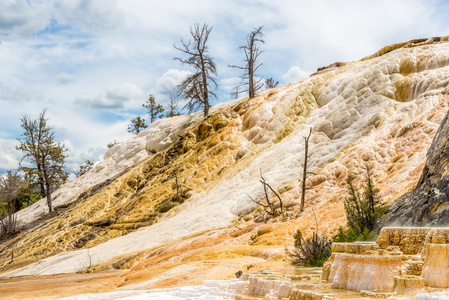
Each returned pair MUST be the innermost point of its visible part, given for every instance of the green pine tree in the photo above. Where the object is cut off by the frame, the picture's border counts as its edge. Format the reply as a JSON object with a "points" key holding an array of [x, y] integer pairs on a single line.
{"points": [[155, 110]]}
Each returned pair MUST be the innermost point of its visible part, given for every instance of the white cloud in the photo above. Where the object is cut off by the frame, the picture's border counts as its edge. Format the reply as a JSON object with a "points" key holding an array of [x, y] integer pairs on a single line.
{"points": [[293, 74], [118, 49], [93, 15], [316, 33], [10, 157], [23, 93], [76, 157], [230, 83], [122, 96], [64, 78], [19, 18], [167, 85]]}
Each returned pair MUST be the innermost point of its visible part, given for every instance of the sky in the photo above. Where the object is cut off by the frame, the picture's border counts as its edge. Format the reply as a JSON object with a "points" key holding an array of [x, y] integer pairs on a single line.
{"points": [[93, 63]]}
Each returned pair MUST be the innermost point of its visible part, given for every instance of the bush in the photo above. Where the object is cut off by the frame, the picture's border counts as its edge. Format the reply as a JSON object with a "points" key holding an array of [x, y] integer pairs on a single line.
{"points": [[351, 235], [362, 212], [9, 225], [312, 252]]}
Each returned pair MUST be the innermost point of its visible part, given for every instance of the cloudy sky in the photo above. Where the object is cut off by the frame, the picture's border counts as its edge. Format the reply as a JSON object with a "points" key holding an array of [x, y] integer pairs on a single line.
{"points": [[92, 63]]}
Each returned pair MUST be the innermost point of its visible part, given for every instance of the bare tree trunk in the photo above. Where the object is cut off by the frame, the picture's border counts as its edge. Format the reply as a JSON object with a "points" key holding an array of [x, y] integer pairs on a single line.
{"points": [[304, 172], [48, 190], [251, 90], [205, 89], [49, 202], [206, 109], [41, 181], [196, 86], [252, 52]]}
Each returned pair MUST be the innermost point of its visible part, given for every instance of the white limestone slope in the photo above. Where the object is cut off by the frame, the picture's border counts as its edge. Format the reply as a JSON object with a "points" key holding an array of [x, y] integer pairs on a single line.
{"points": [[119, 158], [356, 103]]}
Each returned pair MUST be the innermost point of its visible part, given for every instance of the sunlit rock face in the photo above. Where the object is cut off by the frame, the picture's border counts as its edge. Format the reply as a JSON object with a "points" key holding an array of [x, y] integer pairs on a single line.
{"points": [[428, 203], [364, 272], [380, 112], [403, 260], [432, 296], [412, 240], [116, 160], [431, 244], [404, 285], [436, 265], [360, 267]]}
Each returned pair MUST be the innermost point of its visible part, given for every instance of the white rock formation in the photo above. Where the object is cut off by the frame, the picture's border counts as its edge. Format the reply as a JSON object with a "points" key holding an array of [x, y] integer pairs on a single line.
{"points": [[432, 296], [360, 103], [120, 157], [436, 266], [364, 272]]}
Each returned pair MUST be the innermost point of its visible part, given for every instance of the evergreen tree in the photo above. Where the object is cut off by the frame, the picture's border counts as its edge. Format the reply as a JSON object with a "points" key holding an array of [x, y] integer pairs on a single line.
{"points": [[137, 125], [362, 211], [84, 168], [155, 110], [112, 144], [45, 156]]}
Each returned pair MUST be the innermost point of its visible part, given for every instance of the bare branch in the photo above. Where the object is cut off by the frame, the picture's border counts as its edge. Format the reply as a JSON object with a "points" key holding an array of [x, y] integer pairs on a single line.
{"points": [[304, 174], [252, 52], [196, 87], [269, 208]]}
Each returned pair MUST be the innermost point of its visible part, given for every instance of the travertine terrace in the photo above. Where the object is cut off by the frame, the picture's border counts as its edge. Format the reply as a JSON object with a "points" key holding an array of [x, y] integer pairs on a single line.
{"points": [[382, 111], [403, 263], [404, 260]]}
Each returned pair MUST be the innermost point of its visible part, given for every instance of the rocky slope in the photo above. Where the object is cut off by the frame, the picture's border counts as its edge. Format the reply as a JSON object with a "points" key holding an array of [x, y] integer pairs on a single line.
{"points": [[428, 203], [382, 111]]}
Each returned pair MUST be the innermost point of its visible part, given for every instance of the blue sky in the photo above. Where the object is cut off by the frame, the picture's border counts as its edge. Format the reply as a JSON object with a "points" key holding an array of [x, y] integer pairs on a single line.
{"points": [[92, 63]]}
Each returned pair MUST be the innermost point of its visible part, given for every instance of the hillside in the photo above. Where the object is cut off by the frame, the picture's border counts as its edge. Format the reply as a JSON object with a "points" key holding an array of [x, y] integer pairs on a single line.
{"points": [[382, 111]]}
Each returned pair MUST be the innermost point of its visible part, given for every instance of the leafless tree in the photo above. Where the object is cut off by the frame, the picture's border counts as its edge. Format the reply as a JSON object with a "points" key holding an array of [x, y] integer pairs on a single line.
{"points": [[252, 52], [235, 94], [196, 88], [305, 172], [271, 83], [172, 108], [178, 186], [270, 207], [10, 186]]}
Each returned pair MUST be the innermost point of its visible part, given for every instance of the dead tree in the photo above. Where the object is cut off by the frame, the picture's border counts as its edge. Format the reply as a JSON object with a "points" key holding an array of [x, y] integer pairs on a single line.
{"points": [[252, 52], [235, 94], [178, 186], [10, 186], [196, 87], [172, 108], [270, 207], [270, 83], [305, 172]]}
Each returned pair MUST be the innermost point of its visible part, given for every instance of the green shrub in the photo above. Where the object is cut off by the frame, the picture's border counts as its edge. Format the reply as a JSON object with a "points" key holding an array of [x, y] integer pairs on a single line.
{"points": [[312, 252], [362, 212], [351, 235]]}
